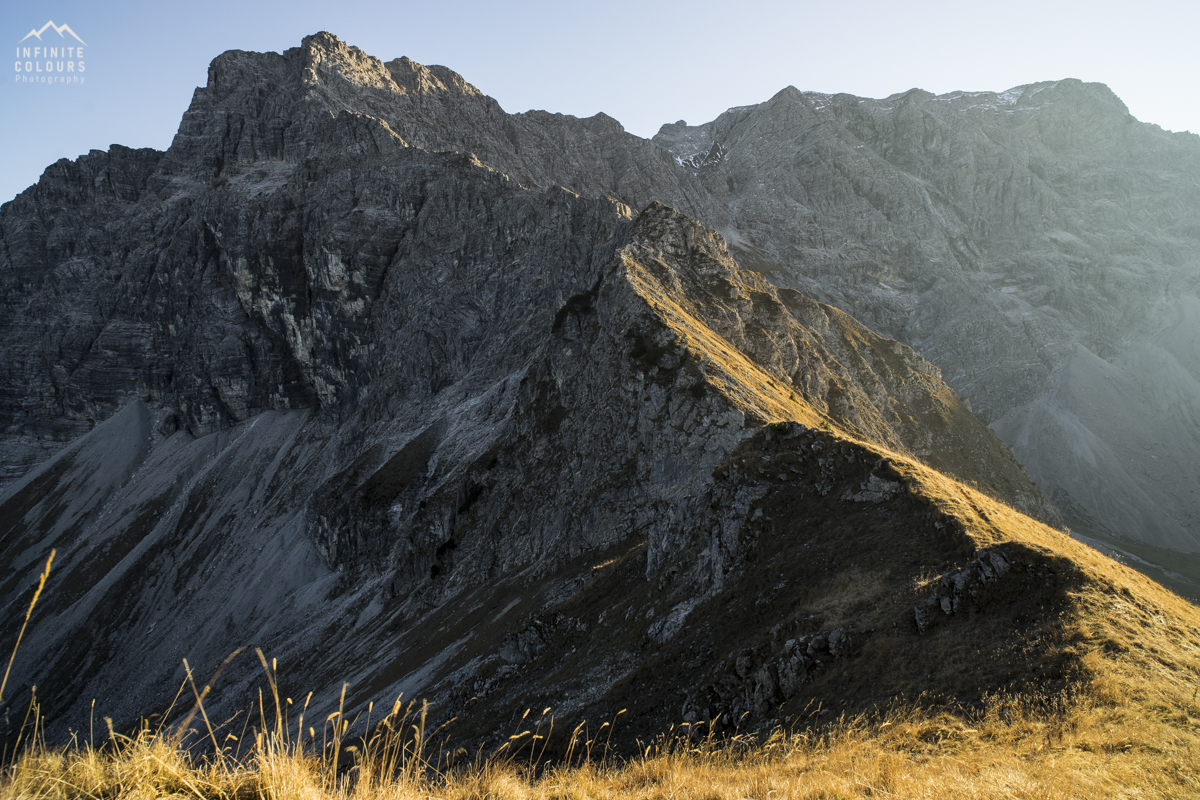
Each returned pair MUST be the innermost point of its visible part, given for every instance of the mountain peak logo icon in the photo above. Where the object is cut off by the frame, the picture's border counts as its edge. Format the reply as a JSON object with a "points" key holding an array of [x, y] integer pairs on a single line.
{"points": [[57, 29]]}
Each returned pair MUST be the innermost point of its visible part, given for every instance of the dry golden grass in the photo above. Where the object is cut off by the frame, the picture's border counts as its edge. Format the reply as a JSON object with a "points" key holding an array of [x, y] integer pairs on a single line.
{"points": [[1064, 748], [1130, 731], [746, 385]]}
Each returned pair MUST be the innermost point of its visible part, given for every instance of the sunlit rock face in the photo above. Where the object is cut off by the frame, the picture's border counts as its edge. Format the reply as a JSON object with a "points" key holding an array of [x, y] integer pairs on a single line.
{"points": [[426, 397]]}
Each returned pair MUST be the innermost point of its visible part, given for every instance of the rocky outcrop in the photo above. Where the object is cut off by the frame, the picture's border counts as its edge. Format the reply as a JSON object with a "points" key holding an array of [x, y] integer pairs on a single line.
{"points": [[952, 590]]}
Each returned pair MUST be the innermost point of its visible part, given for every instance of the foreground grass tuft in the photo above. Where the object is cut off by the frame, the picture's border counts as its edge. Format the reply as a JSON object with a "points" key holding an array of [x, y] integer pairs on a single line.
{"points": [[1048, 747]]}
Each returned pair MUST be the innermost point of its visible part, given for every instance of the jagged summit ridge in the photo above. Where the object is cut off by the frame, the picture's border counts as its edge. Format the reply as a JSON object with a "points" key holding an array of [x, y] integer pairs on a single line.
{"points": [[326, 56]]}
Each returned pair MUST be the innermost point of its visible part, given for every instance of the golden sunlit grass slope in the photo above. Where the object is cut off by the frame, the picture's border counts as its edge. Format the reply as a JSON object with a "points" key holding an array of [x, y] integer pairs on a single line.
{"points": [[1138, 642], [1069, 675], [1084, 747], [780, 356]]}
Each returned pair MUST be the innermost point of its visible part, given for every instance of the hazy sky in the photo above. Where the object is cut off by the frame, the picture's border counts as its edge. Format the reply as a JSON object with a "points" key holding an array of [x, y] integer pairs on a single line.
{"points": [[643, 62]]}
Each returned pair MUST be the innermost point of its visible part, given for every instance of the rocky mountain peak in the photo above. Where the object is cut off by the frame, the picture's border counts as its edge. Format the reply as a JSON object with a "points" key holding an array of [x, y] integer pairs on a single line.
{"points": [[237, 70], [668, 130], [787, 93], [670, 230], [326, 57], [1082, 92], [420, 79]]}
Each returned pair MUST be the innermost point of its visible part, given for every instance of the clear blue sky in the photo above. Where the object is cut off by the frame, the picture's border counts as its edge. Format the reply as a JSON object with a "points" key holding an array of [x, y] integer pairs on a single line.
{"points": [[643, 62]]}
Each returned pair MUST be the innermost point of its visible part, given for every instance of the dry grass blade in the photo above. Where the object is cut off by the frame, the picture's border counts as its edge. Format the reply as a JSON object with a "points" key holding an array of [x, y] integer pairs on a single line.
{"points": [[29, 613], [200, 705]]}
